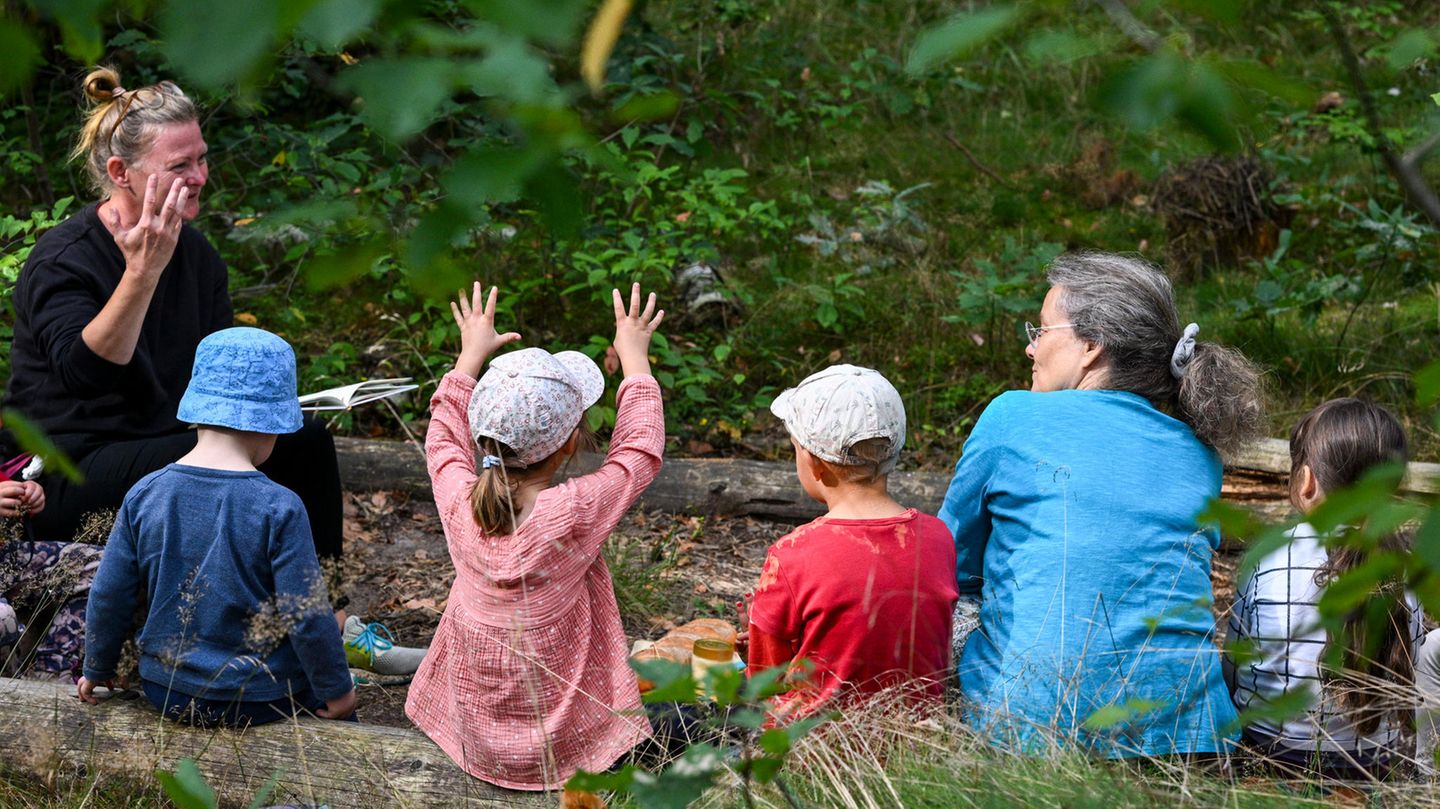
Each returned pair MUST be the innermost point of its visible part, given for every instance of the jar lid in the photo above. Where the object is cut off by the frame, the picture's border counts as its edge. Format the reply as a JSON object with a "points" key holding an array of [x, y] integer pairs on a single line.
{"points": [[712, 649]]}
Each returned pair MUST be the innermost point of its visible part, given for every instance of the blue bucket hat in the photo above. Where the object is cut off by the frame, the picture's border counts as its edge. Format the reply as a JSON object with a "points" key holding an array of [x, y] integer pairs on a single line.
{"points": [[243, 379]]}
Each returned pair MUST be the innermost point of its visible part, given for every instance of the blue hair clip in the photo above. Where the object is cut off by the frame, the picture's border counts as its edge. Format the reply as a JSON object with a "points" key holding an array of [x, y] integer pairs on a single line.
{"points": [[489, 461]]}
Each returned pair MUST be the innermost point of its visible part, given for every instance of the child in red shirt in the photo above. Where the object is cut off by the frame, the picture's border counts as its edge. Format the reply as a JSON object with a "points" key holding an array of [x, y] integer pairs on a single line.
{"points": [[865, 593]]}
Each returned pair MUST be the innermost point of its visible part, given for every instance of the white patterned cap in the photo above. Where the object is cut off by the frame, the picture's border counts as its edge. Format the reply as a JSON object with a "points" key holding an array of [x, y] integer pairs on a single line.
{"points": [[833, 410], [531, 401]]}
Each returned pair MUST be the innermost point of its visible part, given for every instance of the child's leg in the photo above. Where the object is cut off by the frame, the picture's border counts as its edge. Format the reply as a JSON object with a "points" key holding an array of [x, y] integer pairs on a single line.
{"points": [[1427, 716], [202, 712]]}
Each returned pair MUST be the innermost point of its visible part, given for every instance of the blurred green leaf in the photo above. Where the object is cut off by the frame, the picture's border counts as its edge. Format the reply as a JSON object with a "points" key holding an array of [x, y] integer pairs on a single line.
{"points": [[33, 440], [1210, 107], [765, 684], [1427, 383], [186, 787], [266, 789], [682, 783], [19, 56], [332, 23], [1109, 716], [510, 70], [344, 265], [1409, 46], [1277, 709], [1146, 93], [491, 175], [1353, 588], [556, 193], [1252, 74], [958, 36], [1353, 504], [554, 22], [79, 22], [213, 42], [646, 108], [615, 781], [673, 681], [1052, 46], [402, 95]]}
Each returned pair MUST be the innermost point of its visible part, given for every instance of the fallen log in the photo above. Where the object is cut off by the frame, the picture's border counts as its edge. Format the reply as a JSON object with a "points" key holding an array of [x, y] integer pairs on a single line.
{"points": [[46, 730], [745, 488]]}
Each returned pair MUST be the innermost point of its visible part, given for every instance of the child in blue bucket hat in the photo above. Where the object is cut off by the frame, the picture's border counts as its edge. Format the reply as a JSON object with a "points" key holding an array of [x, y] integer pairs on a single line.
{"points": [[238, 629]]}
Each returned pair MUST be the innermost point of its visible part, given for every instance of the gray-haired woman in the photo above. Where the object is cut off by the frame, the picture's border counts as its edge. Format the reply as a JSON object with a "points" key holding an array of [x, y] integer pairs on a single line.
{"points": [[1073, 509]]}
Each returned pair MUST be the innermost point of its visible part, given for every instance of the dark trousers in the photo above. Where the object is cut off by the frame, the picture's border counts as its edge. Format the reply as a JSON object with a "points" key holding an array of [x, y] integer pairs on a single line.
{"points": [[231, 713], [303, 462]]}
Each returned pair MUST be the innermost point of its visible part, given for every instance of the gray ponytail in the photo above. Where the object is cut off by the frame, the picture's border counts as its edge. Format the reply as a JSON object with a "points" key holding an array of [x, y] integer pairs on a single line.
{"points": [[1127, 306]]}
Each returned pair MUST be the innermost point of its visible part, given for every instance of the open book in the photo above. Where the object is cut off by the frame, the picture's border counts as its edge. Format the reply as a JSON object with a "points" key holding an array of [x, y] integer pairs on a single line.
{"points": [[347, 396]]}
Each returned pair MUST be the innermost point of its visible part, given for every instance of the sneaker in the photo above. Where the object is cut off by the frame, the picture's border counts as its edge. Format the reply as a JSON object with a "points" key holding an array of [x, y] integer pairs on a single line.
{"points": [[372, 647]]}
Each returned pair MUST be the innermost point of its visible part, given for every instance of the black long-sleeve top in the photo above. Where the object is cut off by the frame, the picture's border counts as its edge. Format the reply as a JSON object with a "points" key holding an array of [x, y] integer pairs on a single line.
{"points": [[79, 398]]}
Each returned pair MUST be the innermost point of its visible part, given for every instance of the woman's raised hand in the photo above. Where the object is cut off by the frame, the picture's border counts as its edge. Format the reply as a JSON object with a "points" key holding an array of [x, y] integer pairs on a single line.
{"points": [[149, 244], [633, 330], [478, 338]]}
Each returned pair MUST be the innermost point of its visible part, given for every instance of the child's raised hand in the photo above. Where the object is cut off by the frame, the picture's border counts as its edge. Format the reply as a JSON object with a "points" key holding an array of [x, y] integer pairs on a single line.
{"points": [[633, 330], [478, 338]]}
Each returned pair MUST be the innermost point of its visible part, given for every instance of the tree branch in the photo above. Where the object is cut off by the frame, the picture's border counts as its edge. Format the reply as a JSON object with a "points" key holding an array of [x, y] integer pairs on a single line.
{"points": [[1130, 25], [1419, 192]]}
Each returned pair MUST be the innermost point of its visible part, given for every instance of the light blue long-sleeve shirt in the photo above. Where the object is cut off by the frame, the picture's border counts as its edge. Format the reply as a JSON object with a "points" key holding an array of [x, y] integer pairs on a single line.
{"points": [[236, 609], [1074, 521]]}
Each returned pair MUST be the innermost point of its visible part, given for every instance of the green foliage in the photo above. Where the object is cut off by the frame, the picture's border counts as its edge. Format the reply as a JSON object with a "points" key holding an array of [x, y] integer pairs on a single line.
{"points": [[186, 787], [30, 438], [733, 703]]}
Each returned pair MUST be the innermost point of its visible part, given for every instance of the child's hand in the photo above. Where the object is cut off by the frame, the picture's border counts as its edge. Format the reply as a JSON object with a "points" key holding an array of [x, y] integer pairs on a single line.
{"points": [[34, 498], [340, 707], [21, 499], [86, 690], [478, 338], [633, 329]]}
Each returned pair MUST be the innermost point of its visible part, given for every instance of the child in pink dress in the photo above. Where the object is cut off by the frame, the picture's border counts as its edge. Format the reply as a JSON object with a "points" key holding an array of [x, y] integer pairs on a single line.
{"points": [[527, 679]]}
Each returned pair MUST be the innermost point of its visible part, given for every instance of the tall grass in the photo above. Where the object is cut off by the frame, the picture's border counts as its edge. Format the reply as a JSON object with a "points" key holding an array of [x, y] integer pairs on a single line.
{"points": [[889, 754]]}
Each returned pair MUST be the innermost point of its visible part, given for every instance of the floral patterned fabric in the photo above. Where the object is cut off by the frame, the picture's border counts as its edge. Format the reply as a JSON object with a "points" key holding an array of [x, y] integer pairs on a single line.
{"points": [[45, 581], [531, 400]]}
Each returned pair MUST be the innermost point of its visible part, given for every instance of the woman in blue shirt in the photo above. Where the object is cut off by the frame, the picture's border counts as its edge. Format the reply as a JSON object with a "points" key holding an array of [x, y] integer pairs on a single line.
{"points": [[1073, 509]]}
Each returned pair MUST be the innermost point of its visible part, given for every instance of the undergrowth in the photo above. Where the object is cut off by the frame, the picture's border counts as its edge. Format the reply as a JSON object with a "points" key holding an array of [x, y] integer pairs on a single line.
{"points": [[853, 211]]}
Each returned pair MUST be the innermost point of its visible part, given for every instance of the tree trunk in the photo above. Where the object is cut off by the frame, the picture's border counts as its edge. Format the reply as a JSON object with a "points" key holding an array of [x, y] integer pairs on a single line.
{"points": [[1254, 479], [44, 729]]}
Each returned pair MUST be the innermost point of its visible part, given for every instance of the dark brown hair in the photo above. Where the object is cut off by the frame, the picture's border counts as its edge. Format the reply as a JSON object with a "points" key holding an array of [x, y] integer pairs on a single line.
{"points": [[1340, 441]]}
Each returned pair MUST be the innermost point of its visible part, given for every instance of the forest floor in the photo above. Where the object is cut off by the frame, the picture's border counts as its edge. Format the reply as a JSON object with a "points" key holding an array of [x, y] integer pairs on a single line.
{"points": [[667, 569]]}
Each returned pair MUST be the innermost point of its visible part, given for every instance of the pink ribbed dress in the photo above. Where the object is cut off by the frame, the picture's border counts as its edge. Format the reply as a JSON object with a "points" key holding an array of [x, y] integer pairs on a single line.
{"points": [[527, 679]]}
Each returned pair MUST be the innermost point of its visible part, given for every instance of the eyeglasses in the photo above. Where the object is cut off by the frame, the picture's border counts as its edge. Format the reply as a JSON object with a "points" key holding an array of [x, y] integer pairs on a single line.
{"points": [[1033, 332]]}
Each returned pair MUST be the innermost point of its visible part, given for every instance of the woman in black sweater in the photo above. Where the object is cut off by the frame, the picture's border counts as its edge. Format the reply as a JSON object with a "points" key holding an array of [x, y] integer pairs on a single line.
{"points": [[110, 307]]}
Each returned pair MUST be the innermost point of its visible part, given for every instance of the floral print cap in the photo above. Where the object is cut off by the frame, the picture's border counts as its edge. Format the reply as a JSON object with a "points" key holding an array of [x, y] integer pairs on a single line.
{"points": [[531, 401], [832, 410]]}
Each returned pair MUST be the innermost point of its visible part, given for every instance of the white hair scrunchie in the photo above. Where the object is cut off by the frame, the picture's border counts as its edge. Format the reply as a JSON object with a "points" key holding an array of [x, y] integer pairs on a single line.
{"points": [[491, 460], [1184, 351]]}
